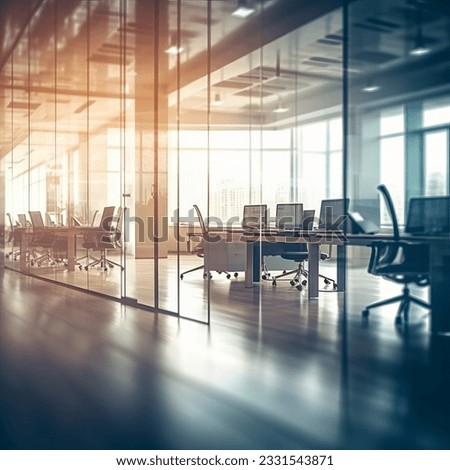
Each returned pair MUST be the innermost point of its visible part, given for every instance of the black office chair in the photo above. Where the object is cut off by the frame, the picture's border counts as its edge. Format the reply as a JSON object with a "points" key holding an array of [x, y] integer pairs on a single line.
{"points": [[400, 262], [199, 249], [103, 238], [299, 254], [43, 240]]}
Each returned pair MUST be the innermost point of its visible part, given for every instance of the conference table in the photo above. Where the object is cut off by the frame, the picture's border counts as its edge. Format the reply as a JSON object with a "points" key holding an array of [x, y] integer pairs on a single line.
{"points": [[25, 237], [439, 272], [274, 242]]}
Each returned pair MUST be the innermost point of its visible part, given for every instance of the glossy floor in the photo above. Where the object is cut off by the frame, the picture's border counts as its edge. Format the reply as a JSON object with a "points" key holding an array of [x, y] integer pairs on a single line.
{"points": [[273, 370]]}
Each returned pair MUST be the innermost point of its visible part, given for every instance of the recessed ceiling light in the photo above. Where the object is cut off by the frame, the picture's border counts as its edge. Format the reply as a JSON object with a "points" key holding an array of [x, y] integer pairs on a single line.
{"points": [[419, 50], [370, 88], [174, 50], [281, 109], [242, 11]]}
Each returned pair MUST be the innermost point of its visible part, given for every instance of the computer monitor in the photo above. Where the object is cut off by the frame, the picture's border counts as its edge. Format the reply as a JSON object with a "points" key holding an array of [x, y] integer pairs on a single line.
{"points": [[50, 220], [289, 216], [254, 216], [36, 219], [22, 220], [308, 219], [333, 213], [428, 215]]}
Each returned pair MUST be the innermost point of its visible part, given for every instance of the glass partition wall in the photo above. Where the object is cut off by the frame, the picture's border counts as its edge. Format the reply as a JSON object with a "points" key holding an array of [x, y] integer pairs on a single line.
{"points": [[398, 109], [140, 110]]}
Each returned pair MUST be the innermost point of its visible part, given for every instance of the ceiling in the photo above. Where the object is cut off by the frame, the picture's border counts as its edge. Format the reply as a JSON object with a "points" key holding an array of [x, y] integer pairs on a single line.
{"points": [[288, 54]]}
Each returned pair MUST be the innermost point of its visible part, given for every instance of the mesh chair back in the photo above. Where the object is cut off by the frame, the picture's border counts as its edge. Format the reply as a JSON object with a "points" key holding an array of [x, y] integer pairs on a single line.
{"points": [[36, 219]]}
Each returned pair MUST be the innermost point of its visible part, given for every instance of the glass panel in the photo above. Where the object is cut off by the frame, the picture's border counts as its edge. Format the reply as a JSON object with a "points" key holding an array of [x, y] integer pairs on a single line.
{"points": [[392, 121], [193, 155], [392, 164], [436, 112], [436, 163]]}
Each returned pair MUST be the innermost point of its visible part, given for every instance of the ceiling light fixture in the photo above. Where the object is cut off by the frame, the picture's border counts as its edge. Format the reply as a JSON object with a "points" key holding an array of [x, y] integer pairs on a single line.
{"points": [[370, 88], [243, 10], [174, 48], [280, 108], [419, 48]]}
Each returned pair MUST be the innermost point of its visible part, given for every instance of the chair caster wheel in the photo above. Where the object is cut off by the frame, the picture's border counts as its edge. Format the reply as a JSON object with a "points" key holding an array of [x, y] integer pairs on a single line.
{"points": [[181, 276], [274, 283], [334, 286], [327, 281], [292, 283], [304, 283], [236, 274], [228, 276], [86, 268], [299, 287], [284, 271], [365, 313], [263, 277], [205, 276], [398, 320]]}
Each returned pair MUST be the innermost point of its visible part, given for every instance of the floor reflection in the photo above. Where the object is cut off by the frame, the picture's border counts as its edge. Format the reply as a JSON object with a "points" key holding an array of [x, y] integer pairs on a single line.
{"points": [[273, 370]]}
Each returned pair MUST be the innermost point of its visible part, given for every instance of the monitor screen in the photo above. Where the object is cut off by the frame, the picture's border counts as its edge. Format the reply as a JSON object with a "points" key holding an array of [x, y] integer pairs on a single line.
{"points": [[308, 219], [254, 216], [22, 220], [333, 213], [428, 215], [36, 219], [289, 216]]}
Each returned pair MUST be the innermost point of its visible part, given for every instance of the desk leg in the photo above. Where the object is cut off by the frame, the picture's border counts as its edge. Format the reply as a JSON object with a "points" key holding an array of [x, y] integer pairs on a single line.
{"points": [[341, 259], [313, 270], [440, 271], [24, 245], [249, 264], [71, 253]]}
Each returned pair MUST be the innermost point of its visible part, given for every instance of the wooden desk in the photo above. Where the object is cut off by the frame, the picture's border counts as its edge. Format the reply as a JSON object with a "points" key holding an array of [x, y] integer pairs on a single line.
{"points": [[439, 273]]}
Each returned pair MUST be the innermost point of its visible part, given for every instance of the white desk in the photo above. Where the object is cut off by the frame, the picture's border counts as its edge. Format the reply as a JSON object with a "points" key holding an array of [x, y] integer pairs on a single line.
{"points": [[312, 240]]}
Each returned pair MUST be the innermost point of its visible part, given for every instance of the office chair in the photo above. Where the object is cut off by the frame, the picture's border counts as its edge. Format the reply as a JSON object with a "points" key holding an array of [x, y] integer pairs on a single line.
{"points": [[105, 237], [88, 257], [299, 254], [400, 262], [43, 238], [12, 238], [199, 249]]}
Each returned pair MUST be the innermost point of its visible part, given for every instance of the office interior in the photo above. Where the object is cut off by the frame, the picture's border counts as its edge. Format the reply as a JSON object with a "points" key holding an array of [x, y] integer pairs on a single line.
{"points": [[152, 107]]}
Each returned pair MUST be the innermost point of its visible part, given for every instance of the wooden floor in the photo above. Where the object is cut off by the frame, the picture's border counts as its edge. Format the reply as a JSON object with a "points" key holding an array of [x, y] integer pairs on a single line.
{"points": [[273, 370]]}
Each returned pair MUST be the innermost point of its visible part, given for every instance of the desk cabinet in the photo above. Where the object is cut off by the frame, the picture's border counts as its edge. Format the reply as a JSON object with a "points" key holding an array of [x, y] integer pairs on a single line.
{"points": [[224, 255]]}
